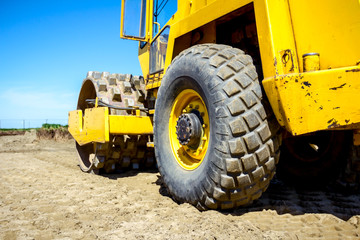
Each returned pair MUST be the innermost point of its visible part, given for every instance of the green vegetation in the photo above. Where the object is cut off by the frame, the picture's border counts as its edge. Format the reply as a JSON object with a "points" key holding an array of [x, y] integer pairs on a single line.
{"points": [[53, 126]]}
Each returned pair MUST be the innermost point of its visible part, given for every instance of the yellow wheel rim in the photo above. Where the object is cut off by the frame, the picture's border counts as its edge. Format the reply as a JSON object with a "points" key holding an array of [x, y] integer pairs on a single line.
{"points": [[189, 101]]}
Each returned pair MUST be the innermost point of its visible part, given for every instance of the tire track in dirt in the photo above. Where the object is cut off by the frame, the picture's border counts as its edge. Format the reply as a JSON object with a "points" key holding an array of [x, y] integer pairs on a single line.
{"points": [[43, 195], [326, 214]]}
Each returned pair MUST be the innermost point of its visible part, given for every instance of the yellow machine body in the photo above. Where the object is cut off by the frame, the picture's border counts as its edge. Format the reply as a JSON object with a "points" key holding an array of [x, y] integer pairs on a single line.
{"points": [[200, 110], [304, 99]]}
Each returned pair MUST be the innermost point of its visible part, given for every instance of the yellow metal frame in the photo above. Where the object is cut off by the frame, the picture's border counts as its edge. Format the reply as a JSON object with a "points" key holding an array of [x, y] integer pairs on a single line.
{"points": [[318, 100], [92, 127], [302, 101], [136, 125], [305, 102], [97, 125], [284, 28], [148, 24]]}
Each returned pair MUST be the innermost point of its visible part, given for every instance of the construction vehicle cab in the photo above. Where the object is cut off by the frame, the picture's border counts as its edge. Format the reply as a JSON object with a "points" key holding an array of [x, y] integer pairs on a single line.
{"points": [[227, 86]]}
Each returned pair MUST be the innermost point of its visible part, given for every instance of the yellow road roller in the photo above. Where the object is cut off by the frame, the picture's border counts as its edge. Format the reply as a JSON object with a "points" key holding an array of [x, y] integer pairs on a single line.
{"points": [[227, 85]]}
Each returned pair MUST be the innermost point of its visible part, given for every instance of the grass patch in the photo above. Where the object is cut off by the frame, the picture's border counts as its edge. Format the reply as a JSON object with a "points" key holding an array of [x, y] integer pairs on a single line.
{"points": [[53, 126]]}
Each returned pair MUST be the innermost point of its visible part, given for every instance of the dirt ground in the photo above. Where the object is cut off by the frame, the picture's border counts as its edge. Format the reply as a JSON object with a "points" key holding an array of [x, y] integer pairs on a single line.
{"points": [[43, 195]]}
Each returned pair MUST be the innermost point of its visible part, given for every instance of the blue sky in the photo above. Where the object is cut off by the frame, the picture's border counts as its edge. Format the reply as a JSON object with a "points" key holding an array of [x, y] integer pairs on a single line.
{"points": [[46, 49]]}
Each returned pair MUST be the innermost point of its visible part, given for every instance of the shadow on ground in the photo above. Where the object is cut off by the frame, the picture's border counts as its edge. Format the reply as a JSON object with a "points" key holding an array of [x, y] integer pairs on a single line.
{"points": [[284, 198], [124, 174]]}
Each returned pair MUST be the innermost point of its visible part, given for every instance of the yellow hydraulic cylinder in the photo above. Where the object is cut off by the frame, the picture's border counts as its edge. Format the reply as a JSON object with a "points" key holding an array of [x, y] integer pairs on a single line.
{"points": [[311, 62]]}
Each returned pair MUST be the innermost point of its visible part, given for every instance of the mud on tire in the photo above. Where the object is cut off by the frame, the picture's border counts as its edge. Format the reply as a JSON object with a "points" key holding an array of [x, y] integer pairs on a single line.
{"points": [[243, 147]]}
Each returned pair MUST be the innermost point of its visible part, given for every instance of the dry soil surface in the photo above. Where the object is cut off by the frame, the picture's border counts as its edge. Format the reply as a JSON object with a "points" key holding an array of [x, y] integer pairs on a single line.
{"points": [[43, 195]]}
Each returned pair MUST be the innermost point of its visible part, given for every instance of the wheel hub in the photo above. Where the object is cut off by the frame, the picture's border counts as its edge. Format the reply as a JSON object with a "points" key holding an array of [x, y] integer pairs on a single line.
{"points": [[189, 130]]}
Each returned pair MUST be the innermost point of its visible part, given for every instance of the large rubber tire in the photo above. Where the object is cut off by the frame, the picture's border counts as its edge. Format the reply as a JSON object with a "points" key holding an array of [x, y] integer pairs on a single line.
{"points": [[242, 149], [314, 160]]}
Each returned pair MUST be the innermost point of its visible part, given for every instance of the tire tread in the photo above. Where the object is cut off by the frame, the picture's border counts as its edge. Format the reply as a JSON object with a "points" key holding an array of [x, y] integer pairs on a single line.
{"points": [[247, 144]]}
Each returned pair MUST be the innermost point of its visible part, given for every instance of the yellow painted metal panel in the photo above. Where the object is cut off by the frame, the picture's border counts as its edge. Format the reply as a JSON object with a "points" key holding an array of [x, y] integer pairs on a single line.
{"points": [[144, 57], [75, 122], [196, 5], [317, 100], [97, 125], [130, 125], [276, 38], [331, 28], [92, 127]]}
